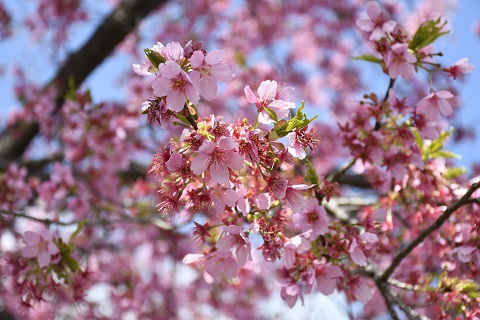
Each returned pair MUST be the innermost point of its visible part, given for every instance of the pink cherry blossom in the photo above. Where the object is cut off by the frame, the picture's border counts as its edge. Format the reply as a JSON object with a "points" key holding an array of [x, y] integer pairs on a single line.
{"points": [[465, 253], [361, 290], [434, 104], [299, 140], [400, 61], [221, 263], [172, 51], [290, 294], [399, 107], [175, 84], [326, 276], [217, 158], [270, 96], [221, 197], [40, 246], [460, 69], [293, 245], [376, 22], [236, 240], [145, 69], [208, 70], [365, 241], [313, 217]]}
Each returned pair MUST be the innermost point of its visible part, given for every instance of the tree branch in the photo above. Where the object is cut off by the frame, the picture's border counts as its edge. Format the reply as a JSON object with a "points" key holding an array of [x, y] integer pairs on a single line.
{"points": [[426, 232], [123, 20], [154, 220]]}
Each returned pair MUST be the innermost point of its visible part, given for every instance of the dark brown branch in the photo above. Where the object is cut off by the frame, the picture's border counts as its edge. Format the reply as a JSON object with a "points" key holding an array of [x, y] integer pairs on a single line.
{"points": [[426, 232], [391, 297], [123, 20]]}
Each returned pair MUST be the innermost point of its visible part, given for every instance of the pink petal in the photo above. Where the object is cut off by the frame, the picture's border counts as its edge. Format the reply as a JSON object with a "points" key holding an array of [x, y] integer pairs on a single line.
{"points": [[161, 87], [200, 163], [389, 26], [241, 256], [234, 160], [29, 252], [359, 257], [52, 249], [377, 34], [250, 95], [227, 143], [281, 108], [326, 285], [225, 243], [264, 118], [222, 73], [208, 87], [445, 107], [215, 57], [369, 237], [230, 269], [192, 93], [219, 172], [233, 229], [192, 258], [31, 238], [43, 259], [207, 147], [365, 24], [443, 94], [267, 90], [197, 59], [175, 100], [169, 69], [373, 9], [174, 162], [231, 197]]}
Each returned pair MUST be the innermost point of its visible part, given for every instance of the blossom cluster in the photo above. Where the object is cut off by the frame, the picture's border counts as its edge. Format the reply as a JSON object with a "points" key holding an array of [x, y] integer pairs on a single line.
{"points": [[240, 175], [236, 195]]}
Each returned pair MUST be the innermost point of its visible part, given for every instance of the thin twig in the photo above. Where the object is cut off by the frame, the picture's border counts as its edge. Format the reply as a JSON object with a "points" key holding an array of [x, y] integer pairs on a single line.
{"points": [[426, 232], [138, 220], [342, 171]]}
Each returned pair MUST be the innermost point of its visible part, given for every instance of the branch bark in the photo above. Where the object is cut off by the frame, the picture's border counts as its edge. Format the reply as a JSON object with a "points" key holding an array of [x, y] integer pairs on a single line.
{"points": [[122, 20], [465, 199]]}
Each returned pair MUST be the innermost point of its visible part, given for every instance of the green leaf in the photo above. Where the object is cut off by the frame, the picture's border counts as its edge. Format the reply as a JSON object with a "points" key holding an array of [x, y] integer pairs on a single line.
{"points": [[438, 143], [79, 229], [427, 33], [474, 294], [369, 58], [271, 114], [445, 154], [298, 122], [455, 172], [418, 138], [154, 57], [183, 119], [311, 174]]}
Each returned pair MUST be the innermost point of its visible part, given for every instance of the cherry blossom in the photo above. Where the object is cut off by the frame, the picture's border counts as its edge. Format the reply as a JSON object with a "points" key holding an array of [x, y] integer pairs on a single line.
{"points": [[175, 84], [326, 276], [208, 70], [218, 159], [313, 217], [460, 69], [434, 104], [400, 61], [271, 96], [376, 22], [237, 241], [221, 263], [39, 246]]}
